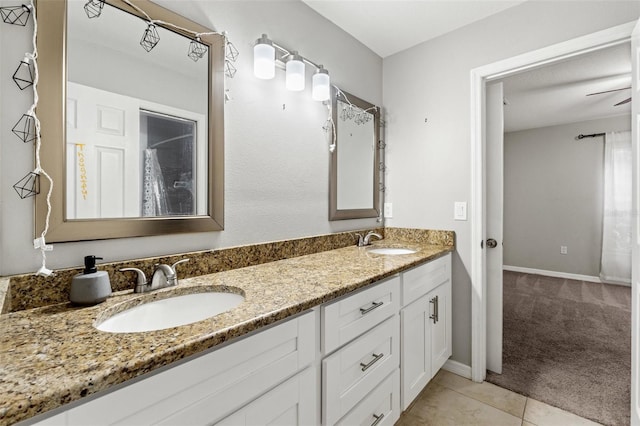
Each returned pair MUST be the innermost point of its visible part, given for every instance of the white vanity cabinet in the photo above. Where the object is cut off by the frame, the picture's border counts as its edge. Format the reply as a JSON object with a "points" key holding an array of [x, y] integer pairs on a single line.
{"points": [[425, 321], [247, 375], [361, 344]]}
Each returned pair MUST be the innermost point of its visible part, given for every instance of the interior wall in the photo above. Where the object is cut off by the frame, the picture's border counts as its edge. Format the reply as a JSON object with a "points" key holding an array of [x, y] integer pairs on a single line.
{"points": [[427, 98], [553, 196], [276, 152]]}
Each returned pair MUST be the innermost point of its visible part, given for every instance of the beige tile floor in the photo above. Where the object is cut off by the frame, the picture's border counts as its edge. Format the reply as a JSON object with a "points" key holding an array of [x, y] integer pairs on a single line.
{"points": [[453, 400]]}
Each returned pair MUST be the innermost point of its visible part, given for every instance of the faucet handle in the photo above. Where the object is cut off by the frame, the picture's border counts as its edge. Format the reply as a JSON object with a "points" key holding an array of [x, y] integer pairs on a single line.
{"points": [[360, 242], [179, 262], [142, 279]]}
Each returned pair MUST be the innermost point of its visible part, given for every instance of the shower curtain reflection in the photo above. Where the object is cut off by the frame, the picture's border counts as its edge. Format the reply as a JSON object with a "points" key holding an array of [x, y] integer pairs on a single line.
{"points": [[154, 200]]}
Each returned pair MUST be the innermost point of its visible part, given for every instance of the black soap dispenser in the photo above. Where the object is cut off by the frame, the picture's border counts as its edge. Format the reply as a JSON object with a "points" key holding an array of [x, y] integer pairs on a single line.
{"points": [[91, 286]]}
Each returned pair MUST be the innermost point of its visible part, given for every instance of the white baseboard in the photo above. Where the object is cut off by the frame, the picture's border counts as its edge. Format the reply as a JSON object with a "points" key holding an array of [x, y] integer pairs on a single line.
{"points": [[555, 274], [458, 368]]}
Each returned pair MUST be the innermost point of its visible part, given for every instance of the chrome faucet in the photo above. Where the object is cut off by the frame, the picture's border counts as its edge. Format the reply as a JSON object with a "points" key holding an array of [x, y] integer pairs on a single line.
{"points": [[163, 276], [367, 238]]}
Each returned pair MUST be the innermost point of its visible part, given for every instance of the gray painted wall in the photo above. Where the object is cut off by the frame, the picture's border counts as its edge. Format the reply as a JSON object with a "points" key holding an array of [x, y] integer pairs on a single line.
{"points": [[429, 162], [553, 196], [277, 159]]}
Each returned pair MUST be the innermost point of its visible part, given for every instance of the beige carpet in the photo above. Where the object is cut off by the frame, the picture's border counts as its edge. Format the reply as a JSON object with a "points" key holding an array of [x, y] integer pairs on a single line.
{"points": [[568, 343]]}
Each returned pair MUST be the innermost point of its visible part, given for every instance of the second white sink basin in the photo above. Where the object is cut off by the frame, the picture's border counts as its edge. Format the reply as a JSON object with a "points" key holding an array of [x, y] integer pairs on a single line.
{"points": [[171, 312], [391, 250]]}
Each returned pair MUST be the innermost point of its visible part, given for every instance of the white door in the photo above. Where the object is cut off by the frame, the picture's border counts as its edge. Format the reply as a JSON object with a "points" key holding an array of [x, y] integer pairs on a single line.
{"points": [[493, 242], [635, 267], [103, 145]]}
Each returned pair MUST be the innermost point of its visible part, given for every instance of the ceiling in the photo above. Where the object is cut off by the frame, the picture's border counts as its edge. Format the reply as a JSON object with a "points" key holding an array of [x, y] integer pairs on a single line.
{"points": [[557, 94], [390, 26], [554, 94]]}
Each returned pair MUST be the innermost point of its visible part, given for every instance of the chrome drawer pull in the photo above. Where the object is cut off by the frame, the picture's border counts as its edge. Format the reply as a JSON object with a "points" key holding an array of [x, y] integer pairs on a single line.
{"points": [[373, 306], [434, 317], [373, 361], [378, 419]]}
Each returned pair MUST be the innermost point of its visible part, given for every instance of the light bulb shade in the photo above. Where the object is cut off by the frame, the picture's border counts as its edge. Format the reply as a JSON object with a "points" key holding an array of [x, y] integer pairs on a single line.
{"points": [[264, 58], [295, 72], [321, 85]]}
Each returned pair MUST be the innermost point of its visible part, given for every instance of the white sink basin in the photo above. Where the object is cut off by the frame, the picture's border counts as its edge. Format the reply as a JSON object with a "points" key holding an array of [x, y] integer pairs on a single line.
{"points": [[170, 312], [391, 250]]}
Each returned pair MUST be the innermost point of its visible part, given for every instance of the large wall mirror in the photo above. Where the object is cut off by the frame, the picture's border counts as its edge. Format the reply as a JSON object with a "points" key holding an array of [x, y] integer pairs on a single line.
{"points": [[133, 139], [354, 176]]}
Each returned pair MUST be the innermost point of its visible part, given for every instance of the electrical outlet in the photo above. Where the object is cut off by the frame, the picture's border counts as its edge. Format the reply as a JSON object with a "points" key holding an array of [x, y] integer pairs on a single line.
{"points": [[563, 249], [388, 210]]}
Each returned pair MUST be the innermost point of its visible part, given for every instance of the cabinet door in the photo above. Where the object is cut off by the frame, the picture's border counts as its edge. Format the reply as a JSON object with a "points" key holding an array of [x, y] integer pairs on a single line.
{"points": [[440, 324], [294, 402], [416, 350]]}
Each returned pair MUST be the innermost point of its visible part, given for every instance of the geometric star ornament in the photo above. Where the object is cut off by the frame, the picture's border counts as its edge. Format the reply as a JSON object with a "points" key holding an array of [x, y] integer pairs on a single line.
{"points": [[231, 52], [25, 128], [16, 15], [28, 186], [150, 38]]}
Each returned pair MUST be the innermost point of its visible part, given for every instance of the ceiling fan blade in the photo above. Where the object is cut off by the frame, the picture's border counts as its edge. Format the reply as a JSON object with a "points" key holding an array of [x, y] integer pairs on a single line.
{"points": [[626, 101], [608, 91]]}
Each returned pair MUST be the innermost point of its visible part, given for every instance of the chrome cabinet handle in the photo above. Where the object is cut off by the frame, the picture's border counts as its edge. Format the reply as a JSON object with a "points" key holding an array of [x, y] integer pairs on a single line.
{"points": [[373, 306], [375, 359], [377, 418], [434, 317]]}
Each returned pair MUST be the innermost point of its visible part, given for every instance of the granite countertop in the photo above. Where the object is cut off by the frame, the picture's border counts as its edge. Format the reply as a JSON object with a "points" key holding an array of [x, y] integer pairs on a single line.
{"points": [[53, 355]]}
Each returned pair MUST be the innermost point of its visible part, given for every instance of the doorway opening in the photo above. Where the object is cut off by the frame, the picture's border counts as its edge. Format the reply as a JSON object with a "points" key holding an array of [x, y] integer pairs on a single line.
{"points": [[479, 79]]}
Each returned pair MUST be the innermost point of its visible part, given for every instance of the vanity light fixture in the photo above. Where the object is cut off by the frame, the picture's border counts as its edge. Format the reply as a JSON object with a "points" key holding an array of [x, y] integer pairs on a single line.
{"points": [[93, 8], [16, 15], [25, 73], [150, 38], [321, 85], [264, 58], [265, 55], [294, 72]]}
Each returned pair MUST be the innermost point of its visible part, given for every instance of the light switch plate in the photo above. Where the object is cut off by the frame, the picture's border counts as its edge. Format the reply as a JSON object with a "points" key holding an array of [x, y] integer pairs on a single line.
{"points": [[460, 210], [388, 210]]}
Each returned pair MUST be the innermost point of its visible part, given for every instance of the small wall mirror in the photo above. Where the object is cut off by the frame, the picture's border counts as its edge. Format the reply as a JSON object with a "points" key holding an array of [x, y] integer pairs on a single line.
{"points": [[354, 176], [133, 139]]}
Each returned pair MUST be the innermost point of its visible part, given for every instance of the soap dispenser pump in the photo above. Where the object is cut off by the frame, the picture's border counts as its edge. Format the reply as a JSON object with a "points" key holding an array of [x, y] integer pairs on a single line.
{"points": [[91, 286]]}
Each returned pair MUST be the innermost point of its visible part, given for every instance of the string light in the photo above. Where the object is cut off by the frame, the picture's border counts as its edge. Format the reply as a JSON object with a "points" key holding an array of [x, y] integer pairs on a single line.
{"points": [[25, 128], [196, 49], [24, 75], [16, 15], [93, 8], [150, 38]]}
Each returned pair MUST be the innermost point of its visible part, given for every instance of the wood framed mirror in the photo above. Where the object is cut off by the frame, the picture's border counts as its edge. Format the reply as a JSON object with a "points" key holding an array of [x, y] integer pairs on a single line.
{"points": [[133, 139], [354, 176]]}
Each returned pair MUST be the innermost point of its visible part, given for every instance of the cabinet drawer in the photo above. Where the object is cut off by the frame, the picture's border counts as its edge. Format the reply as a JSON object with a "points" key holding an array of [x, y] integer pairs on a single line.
{"points": [[424, 278], [348, 318], [356, 369], [211, 386], [381, 407]]}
